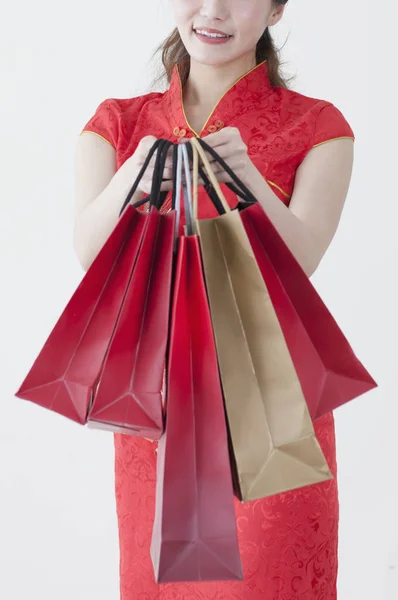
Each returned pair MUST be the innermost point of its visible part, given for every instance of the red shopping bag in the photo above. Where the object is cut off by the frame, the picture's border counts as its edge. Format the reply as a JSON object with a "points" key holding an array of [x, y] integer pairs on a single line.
{"points": [[64, 375], [128, 398], [329, 371], [195, 535]]}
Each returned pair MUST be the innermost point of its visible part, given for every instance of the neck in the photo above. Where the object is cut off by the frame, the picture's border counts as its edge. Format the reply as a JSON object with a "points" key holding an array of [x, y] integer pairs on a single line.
{"points": [[207, 83]]}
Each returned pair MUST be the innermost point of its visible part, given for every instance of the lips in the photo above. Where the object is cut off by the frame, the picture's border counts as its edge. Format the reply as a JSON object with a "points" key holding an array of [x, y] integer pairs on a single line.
{"points": [[211, 33]]}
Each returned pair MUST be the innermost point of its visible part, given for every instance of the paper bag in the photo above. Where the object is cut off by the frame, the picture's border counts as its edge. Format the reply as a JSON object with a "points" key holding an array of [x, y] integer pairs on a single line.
{"points": [[273, 439], [195, 534]]}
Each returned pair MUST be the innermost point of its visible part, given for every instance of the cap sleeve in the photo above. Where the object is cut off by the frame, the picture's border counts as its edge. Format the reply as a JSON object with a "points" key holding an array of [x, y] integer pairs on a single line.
{"points": [[105, 122], [331, 125]]}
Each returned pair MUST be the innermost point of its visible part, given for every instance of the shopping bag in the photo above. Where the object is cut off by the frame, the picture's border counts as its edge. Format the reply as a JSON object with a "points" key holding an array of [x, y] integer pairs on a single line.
{"points": [[64, 375], [328, 369], [195, 535], [129, 398], [273, 439]]}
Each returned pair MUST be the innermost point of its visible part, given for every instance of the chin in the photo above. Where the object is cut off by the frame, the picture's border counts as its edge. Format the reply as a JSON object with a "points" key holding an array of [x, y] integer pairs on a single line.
{"points": [[212, 61], [213, 56]]}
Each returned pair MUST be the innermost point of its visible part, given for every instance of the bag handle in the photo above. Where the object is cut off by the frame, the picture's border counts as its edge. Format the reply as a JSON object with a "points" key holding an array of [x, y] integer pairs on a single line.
{"points": [[243, 191], [183, 162], [244, 200], [140, 175], [156, 198], [188, 201], [177, 169], [202, 174], [155, 195], [198, 151], [155, 192], [214, 198], [174, 179], [207, 185]]}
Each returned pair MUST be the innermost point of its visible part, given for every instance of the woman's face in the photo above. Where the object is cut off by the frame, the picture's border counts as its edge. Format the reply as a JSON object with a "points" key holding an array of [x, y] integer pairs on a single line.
{"points": [[219, 31]]}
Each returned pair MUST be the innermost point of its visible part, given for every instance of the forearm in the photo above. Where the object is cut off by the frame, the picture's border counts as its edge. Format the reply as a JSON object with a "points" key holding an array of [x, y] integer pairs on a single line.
{"points": [[296, 235], [96, 222]]}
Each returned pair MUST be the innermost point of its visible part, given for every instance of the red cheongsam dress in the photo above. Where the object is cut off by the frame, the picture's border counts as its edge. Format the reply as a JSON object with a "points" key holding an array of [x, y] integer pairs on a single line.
{"points": [[288, 542]]}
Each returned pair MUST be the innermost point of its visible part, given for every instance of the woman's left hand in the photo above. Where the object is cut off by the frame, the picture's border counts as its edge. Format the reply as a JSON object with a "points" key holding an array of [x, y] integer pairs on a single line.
{"points": [[231, 148]]}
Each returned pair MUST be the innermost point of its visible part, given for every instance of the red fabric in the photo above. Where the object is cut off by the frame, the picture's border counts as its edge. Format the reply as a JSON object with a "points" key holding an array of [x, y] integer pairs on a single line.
{"points": [[330, 124], [279, 126], [105, 122], [288, 542]]}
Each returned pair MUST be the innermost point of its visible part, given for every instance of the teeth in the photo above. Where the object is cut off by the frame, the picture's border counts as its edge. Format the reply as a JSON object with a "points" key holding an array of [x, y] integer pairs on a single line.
{"points": [[211, 35]]}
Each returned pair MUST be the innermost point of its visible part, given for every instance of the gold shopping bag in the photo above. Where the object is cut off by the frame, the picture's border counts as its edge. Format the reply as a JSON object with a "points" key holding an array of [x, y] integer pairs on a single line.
{"points": [[274, 444]]}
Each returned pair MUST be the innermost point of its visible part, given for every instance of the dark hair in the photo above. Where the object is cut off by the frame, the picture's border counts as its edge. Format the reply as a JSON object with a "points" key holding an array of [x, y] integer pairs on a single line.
{"points": [[173, 52]]}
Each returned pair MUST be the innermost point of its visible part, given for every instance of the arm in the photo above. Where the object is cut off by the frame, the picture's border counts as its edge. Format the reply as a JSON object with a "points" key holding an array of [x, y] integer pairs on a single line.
{"points": [[322, 181], [99, 194], [100, 190]]}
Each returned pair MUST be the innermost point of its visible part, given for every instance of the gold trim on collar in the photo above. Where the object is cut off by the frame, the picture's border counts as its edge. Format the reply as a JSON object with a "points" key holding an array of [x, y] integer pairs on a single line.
{"points": [[198, 135]]}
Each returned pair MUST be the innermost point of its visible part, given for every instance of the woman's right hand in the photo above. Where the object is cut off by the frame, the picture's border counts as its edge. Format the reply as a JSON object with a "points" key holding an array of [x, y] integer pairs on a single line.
{"points": [[134, 164]]}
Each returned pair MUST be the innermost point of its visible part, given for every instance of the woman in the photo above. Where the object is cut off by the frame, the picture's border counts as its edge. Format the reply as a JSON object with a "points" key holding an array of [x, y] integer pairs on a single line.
{"points": [[225, 84]]}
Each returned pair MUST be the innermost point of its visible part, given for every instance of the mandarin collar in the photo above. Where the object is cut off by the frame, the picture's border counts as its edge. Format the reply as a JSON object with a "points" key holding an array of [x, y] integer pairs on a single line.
{"points": [[241, 97]]}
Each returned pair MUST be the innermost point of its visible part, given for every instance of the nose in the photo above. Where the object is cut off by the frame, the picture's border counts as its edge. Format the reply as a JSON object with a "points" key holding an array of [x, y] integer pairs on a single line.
{"points": [[214, 10]]}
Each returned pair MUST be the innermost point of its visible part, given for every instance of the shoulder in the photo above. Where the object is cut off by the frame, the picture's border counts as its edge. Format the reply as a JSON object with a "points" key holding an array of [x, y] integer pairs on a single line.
{"points": [[321, 120], [113, 115]]}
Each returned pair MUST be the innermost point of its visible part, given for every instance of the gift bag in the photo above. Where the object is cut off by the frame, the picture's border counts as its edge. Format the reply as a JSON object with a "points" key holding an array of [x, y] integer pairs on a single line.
{"points": [[273, 440], [328, 369], [128, 398], [194, 535], [64, 375]]}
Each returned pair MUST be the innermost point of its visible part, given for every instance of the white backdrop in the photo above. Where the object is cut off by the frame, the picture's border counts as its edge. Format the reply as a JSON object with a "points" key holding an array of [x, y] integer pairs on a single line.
{"points": [[58, 536]]}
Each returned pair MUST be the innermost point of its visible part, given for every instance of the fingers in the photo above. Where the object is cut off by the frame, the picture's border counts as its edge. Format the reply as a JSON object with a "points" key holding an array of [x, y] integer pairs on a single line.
{"points": [[168, 173], [227, 143], [223, 177], [146, 186], [235, 163], [228, 137], [166, 186], [144, 145], [222, 144], [230, 148]]}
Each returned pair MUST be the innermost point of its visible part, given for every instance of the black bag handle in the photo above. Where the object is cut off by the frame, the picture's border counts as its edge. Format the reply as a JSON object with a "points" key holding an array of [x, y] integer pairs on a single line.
{"points": [[240, 189], [202, 173], [208, 187], [214, 197], [156, 197], [162, 146], [140, 175]]}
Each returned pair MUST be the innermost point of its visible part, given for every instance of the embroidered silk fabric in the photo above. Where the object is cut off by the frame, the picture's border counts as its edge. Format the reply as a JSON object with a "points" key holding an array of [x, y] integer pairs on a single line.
{"points": [[288, 542]]}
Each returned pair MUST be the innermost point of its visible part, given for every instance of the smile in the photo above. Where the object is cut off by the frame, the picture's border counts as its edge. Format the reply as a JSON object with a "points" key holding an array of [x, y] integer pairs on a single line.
{"points": [[211, 35]]}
